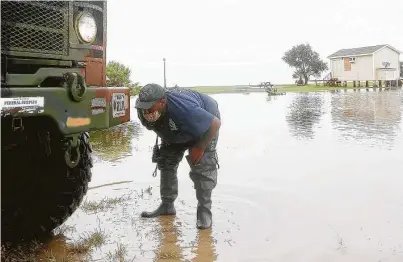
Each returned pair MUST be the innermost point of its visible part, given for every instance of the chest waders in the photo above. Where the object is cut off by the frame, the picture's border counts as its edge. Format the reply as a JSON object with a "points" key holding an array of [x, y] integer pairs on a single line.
{"points": [[203, 175]]}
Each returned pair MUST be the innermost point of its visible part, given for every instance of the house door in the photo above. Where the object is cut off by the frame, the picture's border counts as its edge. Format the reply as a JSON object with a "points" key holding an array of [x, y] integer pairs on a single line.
{"points": [[386, 75]]}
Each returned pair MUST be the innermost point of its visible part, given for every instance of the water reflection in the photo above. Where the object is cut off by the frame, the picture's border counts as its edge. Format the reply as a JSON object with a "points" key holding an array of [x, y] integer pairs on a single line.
{"points": [[205, 249], [305, 112], [115, 143], [270, 98], [170, 248], [57, 249], [370, 117]]}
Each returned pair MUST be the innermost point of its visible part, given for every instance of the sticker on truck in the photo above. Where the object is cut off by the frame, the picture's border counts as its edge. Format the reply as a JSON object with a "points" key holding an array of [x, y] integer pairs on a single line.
{"points": [[118, 105], [98, 102], [22, 104], [98, 105]]}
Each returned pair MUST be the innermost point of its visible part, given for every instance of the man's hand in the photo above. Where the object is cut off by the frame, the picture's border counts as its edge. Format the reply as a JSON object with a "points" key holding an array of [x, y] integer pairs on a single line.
{"points": [[196, 155]]}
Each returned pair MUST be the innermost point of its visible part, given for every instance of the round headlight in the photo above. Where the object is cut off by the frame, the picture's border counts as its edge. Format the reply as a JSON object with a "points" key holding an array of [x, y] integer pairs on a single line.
{"points": [[86, 27]]}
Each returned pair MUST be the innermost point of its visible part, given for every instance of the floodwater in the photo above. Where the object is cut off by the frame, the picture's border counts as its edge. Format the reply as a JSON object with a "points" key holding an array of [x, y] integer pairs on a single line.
{"points": [[303, 177]]}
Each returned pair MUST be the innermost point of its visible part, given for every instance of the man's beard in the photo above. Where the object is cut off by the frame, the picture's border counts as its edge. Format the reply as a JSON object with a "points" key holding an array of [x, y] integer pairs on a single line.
{"points": [[152, 117]]}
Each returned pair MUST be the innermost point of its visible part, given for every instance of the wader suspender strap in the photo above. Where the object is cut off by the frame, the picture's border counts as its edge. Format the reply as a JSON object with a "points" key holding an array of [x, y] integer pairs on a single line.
{"points": [[156, 165]]}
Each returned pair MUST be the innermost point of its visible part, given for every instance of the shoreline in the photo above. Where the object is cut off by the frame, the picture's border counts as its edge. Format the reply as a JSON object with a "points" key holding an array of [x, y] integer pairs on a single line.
{"points": [[280, 89]]}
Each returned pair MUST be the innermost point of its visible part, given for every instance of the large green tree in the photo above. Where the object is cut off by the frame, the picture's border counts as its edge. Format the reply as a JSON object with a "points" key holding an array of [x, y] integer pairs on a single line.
{"points": [[119, 75], [305, 61]]}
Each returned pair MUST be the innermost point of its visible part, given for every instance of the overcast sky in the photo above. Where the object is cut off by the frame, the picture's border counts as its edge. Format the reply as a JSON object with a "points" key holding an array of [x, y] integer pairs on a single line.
{"points": [[227, 42]]}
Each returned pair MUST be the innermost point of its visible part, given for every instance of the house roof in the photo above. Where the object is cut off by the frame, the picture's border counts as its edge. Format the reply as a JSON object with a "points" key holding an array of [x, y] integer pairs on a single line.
{"points": [[366, 50]]}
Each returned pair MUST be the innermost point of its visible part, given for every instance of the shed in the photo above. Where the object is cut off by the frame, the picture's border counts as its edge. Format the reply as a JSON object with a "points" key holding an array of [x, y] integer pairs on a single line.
{"points": [[379, 62]]}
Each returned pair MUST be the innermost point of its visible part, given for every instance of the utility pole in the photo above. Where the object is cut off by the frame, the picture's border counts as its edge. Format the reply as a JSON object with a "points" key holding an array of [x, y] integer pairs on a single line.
{"points": [[165, 79]]}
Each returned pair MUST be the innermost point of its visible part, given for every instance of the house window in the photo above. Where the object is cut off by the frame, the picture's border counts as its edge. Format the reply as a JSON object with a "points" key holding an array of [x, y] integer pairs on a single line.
{"points": [[352, 59], [347, 64]]}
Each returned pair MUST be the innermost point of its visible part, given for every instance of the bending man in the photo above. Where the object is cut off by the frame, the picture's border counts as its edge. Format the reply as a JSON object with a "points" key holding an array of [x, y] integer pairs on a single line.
{"points": [[184, 120]]}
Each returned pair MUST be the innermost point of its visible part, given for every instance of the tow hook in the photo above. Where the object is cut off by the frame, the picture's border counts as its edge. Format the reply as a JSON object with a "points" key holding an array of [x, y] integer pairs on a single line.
{"points": [[76, 86], [72, 153]]}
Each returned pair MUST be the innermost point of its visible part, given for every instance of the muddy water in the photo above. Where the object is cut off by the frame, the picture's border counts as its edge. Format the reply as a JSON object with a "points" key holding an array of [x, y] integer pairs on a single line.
{"points": [[303, 177]]}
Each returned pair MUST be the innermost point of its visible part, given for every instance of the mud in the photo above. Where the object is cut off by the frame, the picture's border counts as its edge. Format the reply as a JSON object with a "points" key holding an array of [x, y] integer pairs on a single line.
{"points": [[303, 177]]}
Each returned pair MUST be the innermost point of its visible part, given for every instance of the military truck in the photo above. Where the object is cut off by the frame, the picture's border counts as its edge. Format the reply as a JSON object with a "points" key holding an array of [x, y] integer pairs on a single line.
{"points": [[53, 93]]}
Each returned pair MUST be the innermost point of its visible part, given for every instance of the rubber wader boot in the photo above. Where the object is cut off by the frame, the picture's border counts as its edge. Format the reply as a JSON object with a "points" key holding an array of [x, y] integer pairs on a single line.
{"points": [[204, 177], [168, 163], [204, 215], [169, 192]]}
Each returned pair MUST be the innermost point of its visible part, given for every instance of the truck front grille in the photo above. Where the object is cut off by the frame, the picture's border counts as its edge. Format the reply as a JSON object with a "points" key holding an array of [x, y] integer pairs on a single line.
{"points": [[35, 26]]}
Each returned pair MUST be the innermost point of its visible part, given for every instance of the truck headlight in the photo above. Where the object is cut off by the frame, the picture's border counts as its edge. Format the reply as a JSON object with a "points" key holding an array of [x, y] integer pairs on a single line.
{"points": [[86, 27]]}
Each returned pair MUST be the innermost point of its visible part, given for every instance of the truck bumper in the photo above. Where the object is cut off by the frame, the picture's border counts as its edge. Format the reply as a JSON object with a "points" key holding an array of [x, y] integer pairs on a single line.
{"points": [[101, 107]]}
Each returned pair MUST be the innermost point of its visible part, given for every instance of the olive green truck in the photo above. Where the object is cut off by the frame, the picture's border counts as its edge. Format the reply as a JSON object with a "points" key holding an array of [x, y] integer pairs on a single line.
{"points": [[53, 92]]}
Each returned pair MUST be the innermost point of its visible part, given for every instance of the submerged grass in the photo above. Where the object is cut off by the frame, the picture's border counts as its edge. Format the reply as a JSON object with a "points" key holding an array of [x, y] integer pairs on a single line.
{"points": [[82, 247], [21, 253], [119, 255], [88, 241], [76, 251], [50, 256], [104, 204]]}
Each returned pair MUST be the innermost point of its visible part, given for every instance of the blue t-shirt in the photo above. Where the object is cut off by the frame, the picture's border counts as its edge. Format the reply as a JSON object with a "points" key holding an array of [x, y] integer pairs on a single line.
{"points": [[189, 115]]}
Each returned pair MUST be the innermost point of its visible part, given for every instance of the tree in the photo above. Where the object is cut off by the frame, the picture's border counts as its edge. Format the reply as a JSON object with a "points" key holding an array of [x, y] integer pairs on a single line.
{"points": [[119, 75], [305, 62], [134, 89]]}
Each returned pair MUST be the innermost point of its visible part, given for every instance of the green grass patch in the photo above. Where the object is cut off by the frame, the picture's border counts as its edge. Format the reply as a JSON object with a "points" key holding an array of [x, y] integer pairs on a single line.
{"points": [[215, 89], [280, 88], [312, 87], [307, 88]]}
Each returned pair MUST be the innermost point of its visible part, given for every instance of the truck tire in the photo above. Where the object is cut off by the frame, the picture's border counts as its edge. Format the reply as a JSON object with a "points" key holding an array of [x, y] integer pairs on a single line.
{"points": [[40, 192]]}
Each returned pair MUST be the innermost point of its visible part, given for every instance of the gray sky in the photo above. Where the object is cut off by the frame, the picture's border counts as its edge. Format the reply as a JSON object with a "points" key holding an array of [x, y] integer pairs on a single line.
{"points": [[226, 42]]}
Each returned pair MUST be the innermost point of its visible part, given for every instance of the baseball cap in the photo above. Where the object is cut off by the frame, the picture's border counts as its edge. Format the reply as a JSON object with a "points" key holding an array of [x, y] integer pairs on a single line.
{"points": [[148, 95]]}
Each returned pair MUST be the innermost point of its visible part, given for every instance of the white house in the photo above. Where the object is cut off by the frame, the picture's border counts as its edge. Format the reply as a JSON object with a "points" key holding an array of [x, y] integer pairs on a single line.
{"points": [[380, 62]]}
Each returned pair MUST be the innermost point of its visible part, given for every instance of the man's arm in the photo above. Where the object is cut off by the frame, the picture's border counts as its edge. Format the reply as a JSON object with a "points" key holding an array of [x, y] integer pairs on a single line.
{"points": [[209, 135], [197, 152], [201, 125]]}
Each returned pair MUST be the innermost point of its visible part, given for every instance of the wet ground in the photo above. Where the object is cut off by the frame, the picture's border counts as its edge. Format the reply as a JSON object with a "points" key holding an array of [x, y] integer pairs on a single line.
{"points": [[303, 177]]}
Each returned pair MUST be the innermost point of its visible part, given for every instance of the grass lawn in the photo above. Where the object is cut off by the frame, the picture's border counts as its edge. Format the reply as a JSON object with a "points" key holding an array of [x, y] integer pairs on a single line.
{"points": [[281, 88], [217, 89], [308, 88]]}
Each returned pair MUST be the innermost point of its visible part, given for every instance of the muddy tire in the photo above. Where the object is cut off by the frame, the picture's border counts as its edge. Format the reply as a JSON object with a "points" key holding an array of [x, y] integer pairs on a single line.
{"points": [[40, 192]]}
